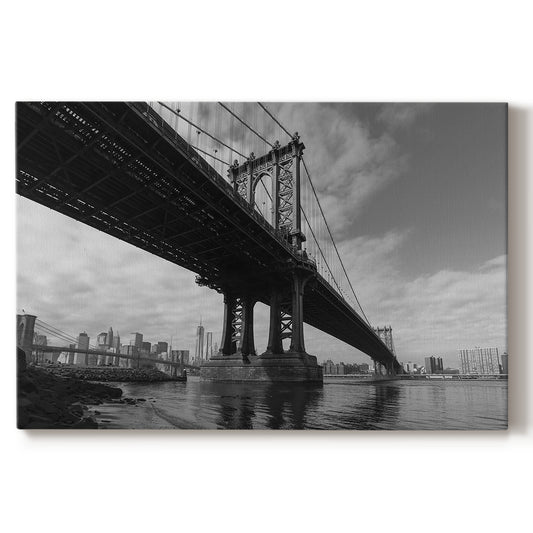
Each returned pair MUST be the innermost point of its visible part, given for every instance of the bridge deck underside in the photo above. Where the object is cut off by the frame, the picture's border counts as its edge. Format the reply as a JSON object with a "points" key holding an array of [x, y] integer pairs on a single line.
{"points": [[119, 168]]}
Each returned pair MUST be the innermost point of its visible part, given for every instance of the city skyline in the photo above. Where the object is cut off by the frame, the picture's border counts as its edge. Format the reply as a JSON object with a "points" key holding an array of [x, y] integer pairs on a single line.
{"points": [[433, 268]]}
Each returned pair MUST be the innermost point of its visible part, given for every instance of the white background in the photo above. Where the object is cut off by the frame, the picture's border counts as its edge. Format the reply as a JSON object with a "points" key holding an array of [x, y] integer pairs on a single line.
{"points": [[259, 481]]}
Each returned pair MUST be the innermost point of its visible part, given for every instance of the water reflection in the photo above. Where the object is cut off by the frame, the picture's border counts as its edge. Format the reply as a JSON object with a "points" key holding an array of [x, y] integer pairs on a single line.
{"points": [[390, 405], [253, 405]]}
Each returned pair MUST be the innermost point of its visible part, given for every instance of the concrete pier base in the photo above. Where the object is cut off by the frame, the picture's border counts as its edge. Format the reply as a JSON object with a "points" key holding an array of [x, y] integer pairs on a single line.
{"points": [[286, 367]]}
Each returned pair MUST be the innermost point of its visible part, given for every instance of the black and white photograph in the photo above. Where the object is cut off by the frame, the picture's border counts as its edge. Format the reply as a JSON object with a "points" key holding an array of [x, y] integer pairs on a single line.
{"points": [[267, 266], [261, 265]]}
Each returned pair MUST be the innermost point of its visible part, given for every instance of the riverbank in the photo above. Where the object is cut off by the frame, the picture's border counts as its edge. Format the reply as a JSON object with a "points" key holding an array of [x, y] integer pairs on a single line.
{"points": [[47, 401], [110, 374]]}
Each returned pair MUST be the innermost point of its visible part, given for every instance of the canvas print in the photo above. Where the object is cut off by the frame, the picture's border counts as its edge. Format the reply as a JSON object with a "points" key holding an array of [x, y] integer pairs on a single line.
{"points": [[261, 265]]}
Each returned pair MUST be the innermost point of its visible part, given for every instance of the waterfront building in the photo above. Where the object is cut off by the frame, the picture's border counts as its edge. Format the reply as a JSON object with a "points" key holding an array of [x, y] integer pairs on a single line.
{"points": [[70, 357], [479, 361], [430, 365], [209, 345], [110, 337], [505, 363], [146, 347], [329, 367], [101, 344], [137, 341], [183, 356], [83, 344], [116, 348], [101, 340], [116, 342], [199, 350], [433, 365]]}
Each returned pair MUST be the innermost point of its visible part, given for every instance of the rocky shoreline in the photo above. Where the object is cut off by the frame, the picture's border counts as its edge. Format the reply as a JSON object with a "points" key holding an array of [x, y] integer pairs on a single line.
{"points": [[110, 374], [46, 401]]}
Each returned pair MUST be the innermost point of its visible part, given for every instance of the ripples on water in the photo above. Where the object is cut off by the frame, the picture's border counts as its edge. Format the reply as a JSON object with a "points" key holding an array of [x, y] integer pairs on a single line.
{"points": [[385, 405]]}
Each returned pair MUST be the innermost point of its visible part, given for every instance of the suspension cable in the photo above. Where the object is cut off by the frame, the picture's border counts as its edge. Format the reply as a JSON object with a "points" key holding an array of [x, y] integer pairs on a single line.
{"points": [[211, 155], [333, 241], [202, 130], [318, 245], [274, 119], [56, 332], [246, 125]]}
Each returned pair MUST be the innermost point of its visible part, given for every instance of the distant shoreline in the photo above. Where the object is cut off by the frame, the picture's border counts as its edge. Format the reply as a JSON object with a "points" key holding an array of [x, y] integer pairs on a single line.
{"points": [[110, 374]]}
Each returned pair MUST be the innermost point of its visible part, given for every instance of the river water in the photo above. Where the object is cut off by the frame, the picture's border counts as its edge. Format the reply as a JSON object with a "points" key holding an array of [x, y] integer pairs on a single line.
{"points": [[195, 404]]}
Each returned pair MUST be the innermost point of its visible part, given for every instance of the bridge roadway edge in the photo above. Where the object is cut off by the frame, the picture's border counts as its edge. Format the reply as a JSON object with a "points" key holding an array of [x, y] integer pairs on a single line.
{"points": [[289, 367]]}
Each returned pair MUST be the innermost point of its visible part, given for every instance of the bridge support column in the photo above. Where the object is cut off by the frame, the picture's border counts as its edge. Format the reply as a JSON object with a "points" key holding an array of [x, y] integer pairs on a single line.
{"points": [[228, 346], [275, 344], [247, 341], [297, 339]]}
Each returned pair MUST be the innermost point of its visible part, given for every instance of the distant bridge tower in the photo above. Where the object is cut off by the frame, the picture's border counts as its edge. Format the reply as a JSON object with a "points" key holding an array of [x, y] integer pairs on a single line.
{"points": [[25, 333], [385, 334]]}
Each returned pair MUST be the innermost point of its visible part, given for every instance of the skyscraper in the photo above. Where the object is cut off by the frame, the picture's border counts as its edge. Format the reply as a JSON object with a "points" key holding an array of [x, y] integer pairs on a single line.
{"points": [[162, 346], [136, 343], [70, 357], [199, 351], [116, 347], [83, 344], [209, 345], [101, 340], [137, 340], [479, 361], [110, 339], [430, 365], [146, 347]]}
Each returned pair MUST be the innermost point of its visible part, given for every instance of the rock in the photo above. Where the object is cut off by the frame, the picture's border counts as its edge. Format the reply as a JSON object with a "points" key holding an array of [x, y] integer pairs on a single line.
{"points": [[76, 409], [48, 401], [86, 423], [21, 361]]}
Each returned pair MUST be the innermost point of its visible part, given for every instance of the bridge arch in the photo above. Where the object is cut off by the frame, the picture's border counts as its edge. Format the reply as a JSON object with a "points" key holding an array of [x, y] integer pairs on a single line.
{"points": [[262, 194]]}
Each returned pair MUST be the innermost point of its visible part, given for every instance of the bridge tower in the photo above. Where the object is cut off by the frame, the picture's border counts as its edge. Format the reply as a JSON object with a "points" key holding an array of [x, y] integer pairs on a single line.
{"points": [[25, 332], [237, 359], [385, 334]]}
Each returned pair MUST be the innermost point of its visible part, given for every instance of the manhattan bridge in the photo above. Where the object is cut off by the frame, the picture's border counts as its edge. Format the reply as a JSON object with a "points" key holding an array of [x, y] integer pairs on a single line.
{"points": [[221, 189]]}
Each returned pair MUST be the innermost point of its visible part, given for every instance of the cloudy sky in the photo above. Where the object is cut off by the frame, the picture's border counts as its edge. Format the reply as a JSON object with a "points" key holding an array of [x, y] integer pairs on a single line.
{"points": [[415, 195]]}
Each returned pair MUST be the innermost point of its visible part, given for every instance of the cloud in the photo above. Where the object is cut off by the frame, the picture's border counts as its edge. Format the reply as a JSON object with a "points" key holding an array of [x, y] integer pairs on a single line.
{"points": [[401, 116], [348, 163], [436, 313], [76, 279]]}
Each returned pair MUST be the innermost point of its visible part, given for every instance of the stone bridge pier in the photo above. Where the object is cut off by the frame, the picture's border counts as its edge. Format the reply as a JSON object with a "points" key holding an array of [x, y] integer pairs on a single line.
{"points": [[238, 359]]}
